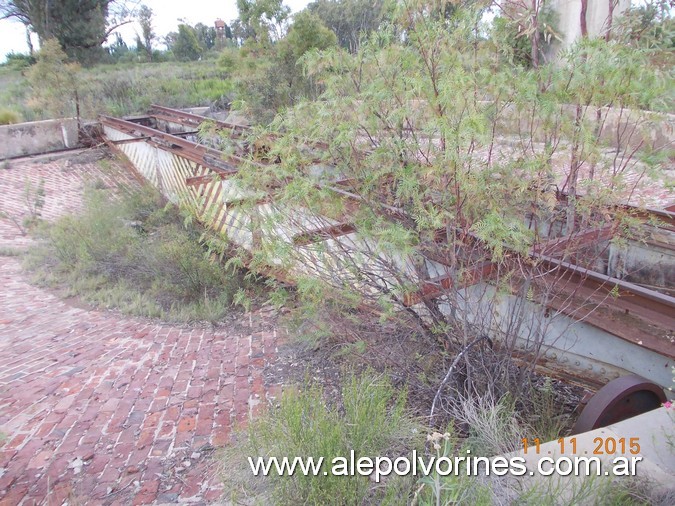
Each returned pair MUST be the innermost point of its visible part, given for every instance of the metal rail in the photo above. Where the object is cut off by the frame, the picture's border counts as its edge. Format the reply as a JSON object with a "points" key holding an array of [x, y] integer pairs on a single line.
{"points": [[190, 119]]}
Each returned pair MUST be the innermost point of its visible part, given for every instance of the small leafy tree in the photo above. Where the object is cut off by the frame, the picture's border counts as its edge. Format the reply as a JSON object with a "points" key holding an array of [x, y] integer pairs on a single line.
{"points": [[186, 46], [55, 82], [307, 33], [435, 173], [271, 76]]}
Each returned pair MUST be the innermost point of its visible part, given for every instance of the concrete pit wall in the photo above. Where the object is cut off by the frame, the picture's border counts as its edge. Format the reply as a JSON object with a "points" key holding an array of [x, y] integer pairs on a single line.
{"points": [[651, 263], [37, 137], [576, 347]]}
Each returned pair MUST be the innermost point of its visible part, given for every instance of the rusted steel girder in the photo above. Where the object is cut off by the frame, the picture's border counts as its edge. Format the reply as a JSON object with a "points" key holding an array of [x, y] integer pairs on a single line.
{"points": [[175, 144], [321, 234], [438, 286], [135, 139], [636, 314], [198, 180], [581, 238], [187, 118]]}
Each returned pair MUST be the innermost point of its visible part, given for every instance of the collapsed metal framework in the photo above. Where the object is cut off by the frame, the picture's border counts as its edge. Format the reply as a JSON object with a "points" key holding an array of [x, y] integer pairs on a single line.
{"points": [[162, 147]]}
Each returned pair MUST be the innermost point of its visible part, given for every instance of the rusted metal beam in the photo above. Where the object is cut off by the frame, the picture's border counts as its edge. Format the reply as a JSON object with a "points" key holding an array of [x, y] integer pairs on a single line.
{"points": [[182, 134], [128, 141], [436, 287], [184, 117], [582, 238], [620, 316], [665, 216], [198, 153], [198, 180], [249, 201], [321, 234], [196, 119], [635, 314], [639, 297]]}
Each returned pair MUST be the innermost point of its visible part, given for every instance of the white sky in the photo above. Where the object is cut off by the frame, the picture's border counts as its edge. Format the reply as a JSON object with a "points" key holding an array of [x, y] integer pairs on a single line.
{"points": [[167, 13]]}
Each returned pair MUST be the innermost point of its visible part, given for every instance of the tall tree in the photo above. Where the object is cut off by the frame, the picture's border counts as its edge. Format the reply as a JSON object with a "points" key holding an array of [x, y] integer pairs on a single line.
{"points": [[145, 16], [80, 26], [351, 20], [186, 46], [263, 20], [206, 35], [118, 48]]}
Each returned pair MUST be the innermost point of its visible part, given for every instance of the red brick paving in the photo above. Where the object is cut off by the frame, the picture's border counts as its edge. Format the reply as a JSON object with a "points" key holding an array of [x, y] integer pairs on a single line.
{"points": [[104, 409]]}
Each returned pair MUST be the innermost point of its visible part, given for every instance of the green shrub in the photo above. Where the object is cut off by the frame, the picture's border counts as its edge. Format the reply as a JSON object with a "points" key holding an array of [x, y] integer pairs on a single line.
{"points": [[228, 59], [18, 61], [8, 117], [372, 421], [135, 254], [10, 252]]}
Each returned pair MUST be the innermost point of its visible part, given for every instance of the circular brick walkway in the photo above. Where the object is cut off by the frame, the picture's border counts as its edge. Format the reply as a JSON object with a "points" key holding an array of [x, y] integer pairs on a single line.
{"points": [[98, 408]]}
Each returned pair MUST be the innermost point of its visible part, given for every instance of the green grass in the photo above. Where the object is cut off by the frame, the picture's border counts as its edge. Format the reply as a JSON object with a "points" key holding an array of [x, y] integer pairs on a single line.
{"points": [[130, 89], [134, 254], [6, 251], [14, 93], [127, 89], [371, 420]]}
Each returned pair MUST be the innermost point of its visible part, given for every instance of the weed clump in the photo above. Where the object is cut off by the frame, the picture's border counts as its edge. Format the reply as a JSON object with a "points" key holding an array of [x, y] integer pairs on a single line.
{"points": [[133, 253], [8, 117], [371, 420]]}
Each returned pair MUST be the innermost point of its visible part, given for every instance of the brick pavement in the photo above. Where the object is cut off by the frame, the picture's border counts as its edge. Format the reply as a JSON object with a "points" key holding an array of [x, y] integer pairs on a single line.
{"points": [[100, 408]]}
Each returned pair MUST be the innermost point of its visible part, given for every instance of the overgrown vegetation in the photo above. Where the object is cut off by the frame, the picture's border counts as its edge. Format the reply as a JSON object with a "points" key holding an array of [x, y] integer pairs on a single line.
{"points": [[450, 161], [134, 253], [118, 90], [451, 150], [370, 419], [8, 117], [29, 216]]}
